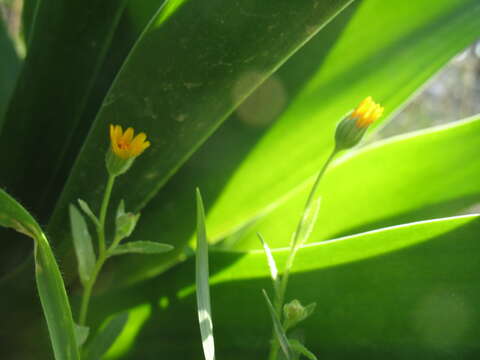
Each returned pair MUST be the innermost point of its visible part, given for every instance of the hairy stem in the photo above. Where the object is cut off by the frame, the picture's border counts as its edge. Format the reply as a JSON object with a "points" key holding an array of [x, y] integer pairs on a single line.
{"points": [[294, 245]]}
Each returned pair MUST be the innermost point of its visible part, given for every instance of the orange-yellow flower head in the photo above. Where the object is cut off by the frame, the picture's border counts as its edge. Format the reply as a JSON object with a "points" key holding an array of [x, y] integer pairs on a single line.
{"points": [[366, 113], [124, 144]]}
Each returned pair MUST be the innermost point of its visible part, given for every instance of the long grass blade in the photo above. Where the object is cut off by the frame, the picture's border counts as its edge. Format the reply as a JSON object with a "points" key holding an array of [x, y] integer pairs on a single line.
{"points": [[51, 288], [271, 265], [203, 289]]}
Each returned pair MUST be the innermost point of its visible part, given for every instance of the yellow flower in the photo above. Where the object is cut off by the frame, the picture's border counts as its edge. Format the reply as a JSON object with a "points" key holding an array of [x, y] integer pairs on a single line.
{"points": [[366, 113], [125, 145]]}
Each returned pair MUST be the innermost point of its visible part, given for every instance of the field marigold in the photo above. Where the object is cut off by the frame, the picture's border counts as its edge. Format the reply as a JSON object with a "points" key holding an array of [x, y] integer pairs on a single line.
{"points": [[124, 144]]}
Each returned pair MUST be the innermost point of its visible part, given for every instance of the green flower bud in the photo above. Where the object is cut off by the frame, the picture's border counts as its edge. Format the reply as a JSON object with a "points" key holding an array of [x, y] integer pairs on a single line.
{"points": [[117, 165], [125, 222], [294, 312]]}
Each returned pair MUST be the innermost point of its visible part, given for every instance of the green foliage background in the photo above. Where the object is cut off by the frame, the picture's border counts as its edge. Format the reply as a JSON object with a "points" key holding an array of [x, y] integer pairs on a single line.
{"points": [[241, 99]]}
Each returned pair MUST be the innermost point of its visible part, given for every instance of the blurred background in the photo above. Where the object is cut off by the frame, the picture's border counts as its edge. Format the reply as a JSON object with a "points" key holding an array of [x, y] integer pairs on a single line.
{"points": [[453, 94]]}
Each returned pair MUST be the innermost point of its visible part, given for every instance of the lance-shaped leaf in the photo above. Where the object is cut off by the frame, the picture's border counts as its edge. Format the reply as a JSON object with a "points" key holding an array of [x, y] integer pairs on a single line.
{"points": [[141, 247], [53, 296], [202, 285], [82, 242]]}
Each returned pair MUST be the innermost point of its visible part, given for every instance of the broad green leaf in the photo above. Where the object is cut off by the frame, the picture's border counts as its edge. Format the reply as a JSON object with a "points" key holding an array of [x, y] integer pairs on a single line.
{"points": [[281, 337], [67, 44], [141, 247], [204, 309], [408, 290], [387, 50], [9, 68], [418, 176], [82, 242], [28, 16], [53, 296], [106, 336], [180, 99]]}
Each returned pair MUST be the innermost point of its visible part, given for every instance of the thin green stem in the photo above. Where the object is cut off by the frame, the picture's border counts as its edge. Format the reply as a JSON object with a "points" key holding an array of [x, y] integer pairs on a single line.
{"points": [[102, 251], [293, 250], [87, 291], [103, 214]]}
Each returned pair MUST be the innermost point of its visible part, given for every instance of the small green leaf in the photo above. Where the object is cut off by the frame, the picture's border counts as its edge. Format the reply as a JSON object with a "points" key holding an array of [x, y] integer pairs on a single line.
{"points": [[120, 209], [277, 326], [141, 247], [81, 334], [82, 242], [51, 288], [105, 338], [301, 349], [86, 209], [201, 280], [125, 222], [271, 265]]}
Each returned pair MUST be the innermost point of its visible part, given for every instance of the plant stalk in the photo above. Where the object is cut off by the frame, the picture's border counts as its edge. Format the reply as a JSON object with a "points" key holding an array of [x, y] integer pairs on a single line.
{"points": [[294, 245], [87, 291], [103, 214], [102, 251]]}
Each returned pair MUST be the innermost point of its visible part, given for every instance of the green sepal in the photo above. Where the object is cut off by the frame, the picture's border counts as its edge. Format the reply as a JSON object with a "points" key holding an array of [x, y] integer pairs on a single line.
{"points": [[348, 134], [116, 165]]}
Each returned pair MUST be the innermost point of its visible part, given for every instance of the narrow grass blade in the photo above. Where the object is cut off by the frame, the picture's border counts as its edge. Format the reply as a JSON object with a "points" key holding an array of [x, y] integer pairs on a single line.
{"points": [[82, 242], [277, 326], [203, 290], [141, 247], [51, 289], [301, 349], [105, 338], [271, 265]]}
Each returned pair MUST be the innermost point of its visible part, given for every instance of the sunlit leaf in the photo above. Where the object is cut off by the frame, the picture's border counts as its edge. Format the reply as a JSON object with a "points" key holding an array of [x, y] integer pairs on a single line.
{"points": [[201, 281]]}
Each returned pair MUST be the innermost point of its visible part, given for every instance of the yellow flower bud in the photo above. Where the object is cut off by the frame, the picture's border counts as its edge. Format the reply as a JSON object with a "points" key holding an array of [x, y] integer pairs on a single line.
{"points": [[352, 128]]}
